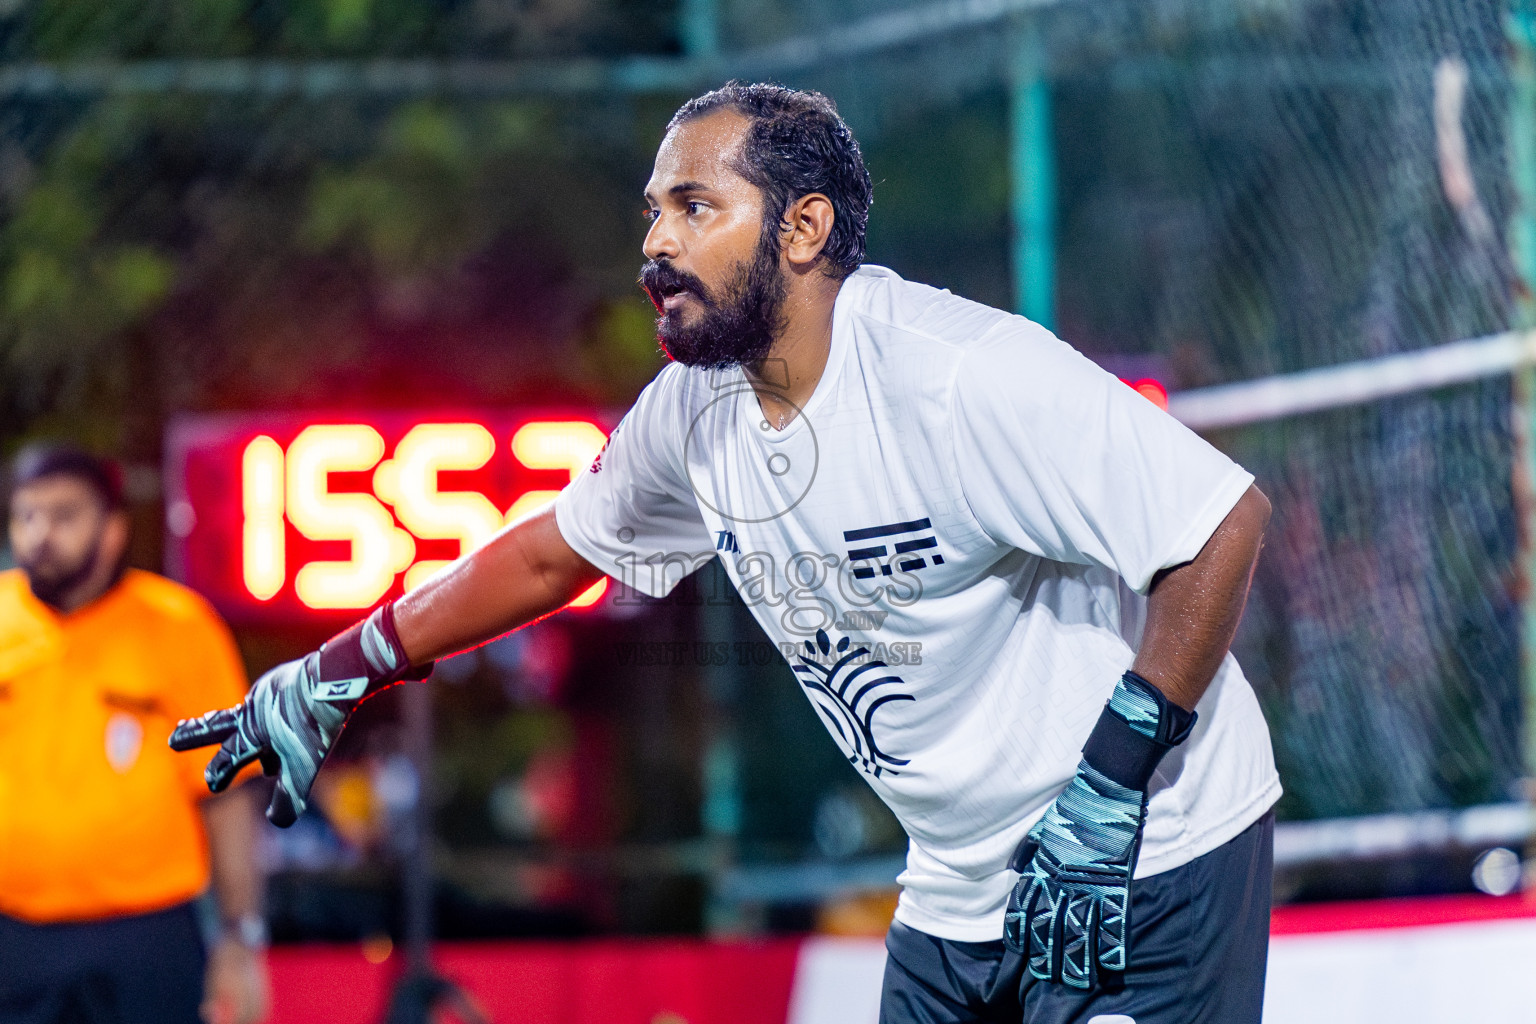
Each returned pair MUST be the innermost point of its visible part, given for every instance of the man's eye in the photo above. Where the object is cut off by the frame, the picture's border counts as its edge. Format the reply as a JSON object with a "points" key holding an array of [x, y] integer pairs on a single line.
{"points": [[695, 207], [650, 213]]}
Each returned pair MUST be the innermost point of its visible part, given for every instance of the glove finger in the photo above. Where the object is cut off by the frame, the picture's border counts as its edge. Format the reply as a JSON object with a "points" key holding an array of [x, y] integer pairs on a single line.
{"points": [[285, 807], [1016, 916], [1080, 921], [1114, 932], [233, 754], [302, 754], [1039, 929], [214, 727]]}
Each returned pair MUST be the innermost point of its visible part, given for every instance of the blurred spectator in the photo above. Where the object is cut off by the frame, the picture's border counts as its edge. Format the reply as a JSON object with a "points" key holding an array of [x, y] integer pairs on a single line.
{"points": [[106, 836]]}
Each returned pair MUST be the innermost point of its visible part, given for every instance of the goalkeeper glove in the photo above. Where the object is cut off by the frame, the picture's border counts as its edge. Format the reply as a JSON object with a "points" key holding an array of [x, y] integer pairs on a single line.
{"points": [[293, 714], [1070, 913]]}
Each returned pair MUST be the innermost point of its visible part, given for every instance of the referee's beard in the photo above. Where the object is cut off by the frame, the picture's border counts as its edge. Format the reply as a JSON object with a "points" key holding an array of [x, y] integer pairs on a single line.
{"points": [[737, 327], [54, 581]]}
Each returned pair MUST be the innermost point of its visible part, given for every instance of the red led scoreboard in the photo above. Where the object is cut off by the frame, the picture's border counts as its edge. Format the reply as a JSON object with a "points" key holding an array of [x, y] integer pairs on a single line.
{"points": [[284, 517]]}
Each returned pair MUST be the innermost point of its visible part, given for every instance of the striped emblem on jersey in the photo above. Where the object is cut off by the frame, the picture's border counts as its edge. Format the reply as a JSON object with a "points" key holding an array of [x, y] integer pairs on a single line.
{"points": [[906, 546]]}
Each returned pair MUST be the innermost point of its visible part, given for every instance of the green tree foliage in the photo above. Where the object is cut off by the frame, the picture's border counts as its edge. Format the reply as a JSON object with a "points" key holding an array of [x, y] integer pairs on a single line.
{"points": [[62, 29], [170, 252], [70, 286]]}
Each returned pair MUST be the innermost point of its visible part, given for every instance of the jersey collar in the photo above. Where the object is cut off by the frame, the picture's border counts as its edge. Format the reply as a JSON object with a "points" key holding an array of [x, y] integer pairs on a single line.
{"points": [[849, 297]]}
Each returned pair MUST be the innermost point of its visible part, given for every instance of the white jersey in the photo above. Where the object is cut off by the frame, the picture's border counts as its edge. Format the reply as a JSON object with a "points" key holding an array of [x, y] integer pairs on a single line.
{"points": [[950, 544]]}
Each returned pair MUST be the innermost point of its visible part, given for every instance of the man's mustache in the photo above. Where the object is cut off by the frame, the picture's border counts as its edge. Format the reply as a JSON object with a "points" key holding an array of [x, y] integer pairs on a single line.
{"points": [[660, 278], [39, 558]]}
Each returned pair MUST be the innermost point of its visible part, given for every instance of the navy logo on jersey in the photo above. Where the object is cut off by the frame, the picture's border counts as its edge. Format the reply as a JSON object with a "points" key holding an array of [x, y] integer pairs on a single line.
{"points": [[905, 546], [847, 692]]}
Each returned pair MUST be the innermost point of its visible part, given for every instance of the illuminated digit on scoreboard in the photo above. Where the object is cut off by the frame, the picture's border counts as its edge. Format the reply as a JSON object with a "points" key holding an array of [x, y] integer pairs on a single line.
{"points": [[411, 484], [379, 549], [570, 445], [264, 559]]}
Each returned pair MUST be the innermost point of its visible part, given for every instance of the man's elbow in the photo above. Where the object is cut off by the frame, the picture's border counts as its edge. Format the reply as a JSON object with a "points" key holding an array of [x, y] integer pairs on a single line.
{"points": [[1248, 520], [1257, 508], [552, 561]]}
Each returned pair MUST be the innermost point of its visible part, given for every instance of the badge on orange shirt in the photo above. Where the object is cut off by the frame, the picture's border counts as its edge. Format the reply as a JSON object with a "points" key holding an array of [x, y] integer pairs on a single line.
{"points": [[125, 738]]}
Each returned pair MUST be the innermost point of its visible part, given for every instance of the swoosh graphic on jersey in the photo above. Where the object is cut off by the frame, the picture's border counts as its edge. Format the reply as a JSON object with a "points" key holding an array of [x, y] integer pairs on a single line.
{"points": [[851, 718]]}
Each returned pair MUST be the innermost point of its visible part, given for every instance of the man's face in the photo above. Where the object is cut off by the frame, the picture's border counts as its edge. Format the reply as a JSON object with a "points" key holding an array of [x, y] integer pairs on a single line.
{"points": [[58, 526], [714, 274]]}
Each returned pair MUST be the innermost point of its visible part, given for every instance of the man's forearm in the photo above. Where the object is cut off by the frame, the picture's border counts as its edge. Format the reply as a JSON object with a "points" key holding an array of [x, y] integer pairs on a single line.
{"points": [[527, 571], [1194, 608], [236, 988], [230, 819]]}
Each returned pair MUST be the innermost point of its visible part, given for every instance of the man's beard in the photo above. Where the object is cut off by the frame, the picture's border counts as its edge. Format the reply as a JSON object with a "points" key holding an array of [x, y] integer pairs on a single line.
{"points": [[736, 328], [52, 582]]}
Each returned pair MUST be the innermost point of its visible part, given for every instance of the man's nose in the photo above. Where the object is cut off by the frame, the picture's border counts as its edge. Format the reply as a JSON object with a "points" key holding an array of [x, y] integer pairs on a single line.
{"points": [[31, 537], [661, 240]]}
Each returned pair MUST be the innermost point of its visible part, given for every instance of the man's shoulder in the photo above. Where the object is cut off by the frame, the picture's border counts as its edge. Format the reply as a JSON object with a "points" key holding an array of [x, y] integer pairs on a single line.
{"points": [[18, 609], [158, 597], [678, 385], [925, 343], [894, 309], [13, 583], [17, 605]]}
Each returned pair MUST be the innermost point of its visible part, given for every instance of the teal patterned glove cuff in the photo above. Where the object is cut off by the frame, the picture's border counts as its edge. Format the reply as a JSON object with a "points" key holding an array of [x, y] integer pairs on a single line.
{"points": [[1135, 730]]}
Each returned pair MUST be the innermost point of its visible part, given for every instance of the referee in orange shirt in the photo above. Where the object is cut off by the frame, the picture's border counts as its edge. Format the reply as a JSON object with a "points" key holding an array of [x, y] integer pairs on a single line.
{"points": [[106, 835]]}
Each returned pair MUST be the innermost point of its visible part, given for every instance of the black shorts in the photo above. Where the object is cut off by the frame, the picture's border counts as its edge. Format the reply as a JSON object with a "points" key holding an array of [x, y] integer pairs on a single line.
{"points": [[144, 969], [1199, 946]]}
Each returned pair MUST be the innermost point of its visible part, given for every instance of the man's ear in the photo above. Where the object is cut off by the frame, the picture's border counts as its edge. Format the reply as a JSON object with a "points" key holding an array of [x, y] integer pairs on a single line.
{"points": [[805, 228], [114, 537]]}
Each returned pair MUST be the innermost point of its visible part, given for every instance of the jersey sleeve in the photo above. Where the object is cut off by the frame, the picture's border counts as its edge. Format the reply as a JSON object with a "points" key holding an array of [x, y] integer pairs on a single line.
{"points": [[1060, 458], [212, 676], [633, 513]]}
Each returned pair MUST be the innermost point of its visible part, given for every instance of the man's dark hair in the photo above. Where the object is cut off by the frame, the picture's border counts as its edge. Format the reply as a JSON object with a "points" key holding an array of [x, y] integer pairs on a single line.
{"points": [[38, 461], [796, 145]]}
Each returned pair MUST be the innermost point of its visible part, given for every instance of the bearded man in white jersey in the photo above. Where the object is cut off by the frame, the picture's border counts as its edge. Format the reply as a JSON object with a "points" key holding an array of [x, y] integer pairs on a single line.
{"points": [[1006, 582]]}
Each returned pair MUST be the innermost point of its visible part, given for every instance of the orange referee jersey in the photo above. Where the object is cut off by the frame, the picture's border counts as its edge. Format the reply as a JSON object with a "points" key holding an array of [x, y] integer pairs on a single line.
{"points": [[98, 817]]}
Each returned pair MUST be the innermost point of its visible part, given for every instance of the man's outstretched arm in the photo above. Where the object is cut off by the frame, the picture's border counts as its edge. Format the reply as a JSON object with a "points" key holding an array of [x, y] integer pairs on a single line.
{"points": [[526, 572], [293, 714]]}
